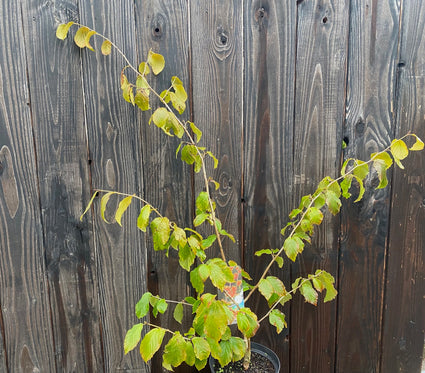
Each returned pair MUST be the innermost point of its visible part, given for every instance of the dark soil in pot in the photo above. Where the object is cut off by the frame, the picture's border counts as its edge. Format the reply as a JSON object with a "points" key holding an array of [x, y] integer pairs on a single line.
{"points": [[263, 360]]}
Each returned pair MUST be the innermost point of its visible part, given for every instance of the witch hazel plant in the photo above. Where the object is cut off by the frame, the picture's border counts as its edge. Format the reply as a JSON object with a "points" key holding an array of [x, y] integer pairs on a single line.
{"points": [[210, 334]]}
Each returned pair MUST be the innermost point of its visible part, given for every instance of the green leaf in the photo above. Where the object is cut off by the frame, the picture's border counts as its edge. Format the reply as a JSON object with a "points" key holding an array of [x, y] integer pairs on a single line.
{"points": [[277, 319], [203, 202], [62, 30], [247, 322], [186, 257], [160, 117], [196, 131], [271, 287], [215, 160], [196, 280], [418, 145], [201, 347], [208, 241], [88, 205], [122, 207], [132, 338], [142, 83], [399, 149], [226, 353], [127, 89], [142, 306], [178, 313], [346, 185], [279, 261], [292, 247], [190, 354], [179, 239], [310, 295], [333, 202], [143, 219], [151, 343], [158, 304], [106, 47], [204, 272], [103, 203], [361, 169], [175, 350], [160, 232], [294, 213], [314, 215], [216, 319], [262, 252], [220, 273], [156, 61], [200, 364], [238, 347], [327, 281], [80, 36], [200, 218], [214, 347]]}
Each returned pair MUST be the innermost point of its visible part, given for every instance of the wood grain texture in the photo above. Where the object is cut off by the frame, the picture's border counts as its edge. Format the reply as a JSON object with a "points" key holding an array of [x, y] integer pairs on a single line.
{"points": [[164, 27], [404, 318], [322, 37], [369, 127], [24, 304], [217, 44], [114, 146], [64, 183], [269, 79]]}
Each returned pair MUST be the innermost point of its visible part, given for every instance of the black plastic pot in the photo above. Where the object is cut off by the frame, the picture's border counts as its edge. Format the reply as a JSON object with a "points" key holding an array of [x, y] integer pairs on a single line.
{"points": [[259, 349]]}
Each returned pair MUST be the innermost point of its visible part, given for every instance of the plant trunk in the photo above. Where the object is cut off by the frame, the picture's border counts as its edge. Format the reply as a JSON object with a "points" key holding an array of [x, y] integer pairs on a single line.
{"points": [[247, 357]]}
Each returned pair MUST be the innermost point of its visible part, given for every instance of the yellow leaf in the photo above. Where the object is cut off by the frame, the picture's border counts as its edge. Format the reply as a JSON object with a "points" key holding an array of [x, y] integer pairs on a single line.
{"points": [[106, 47], [121, 209], [80, 36], [156, 61], [62, 30]]}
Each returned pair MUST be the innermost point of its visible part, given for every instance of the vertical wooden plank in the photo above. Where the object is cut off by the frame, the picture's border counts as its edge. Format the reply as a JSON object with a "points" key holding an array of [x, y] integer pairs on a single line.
{"points": [[369, 127], [60, 139], [114, 146], [403, 338], [269, 78], [24, 304], [164, 27], [319, 115], [217, 66]]}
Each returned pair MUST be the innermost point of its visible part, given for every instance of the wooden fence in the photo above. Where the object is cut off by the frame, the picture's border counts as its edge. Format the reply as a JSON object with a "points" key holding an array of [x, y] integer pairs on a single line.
{"points": [[276, 87]]}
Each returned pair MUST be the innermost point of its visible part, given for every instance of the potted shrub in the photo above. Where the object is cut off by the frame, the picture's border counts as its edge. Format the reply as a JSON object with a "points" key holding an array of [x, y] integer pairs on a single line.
{"points": [[222, 324]]}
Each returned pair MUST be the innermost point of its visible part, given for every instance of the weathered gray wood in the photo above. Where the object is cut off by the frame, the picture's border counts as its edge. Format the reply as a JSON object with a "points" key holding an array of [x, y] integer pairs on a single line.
{"points": [[24, 304], [217, 62], [114, 147], [163, 26], [269, 79], [369, 127], [403, 337], [322, 34], [64, 183]]}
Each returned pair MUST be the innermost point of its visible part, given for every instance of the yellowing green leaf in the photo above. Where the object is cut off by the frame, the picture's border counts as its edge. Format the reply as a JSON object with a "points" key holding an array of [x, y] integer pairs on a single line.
{"points": [[399, 149], [143, 219], [309, 293], [122, 207], [141, 99], [142, 306], [196, 131], [151, 343], [156, 61], [277, 319], [144, 68], [201, 347], [132, 338], [220, 273], [161, 230], [62, 30], [106, 47], [178, 313], [247, 322]]}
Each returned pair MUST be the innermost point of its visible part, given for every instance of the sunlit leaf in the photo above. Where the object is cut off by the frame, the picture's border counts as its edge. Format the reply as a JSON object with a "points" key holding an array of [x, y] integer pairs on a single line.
{"points": [[142, 306], [156, 61], [178, 313], [106, 47], [143, 219], [399, 149], [88, 36], [88, 205], [80, 36], [418, 145], [122, 207], [132, 337], [196, 131], [103, 203], [62, 30], [201, 347], [247, 322], [151, 343], [277, 319]]}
